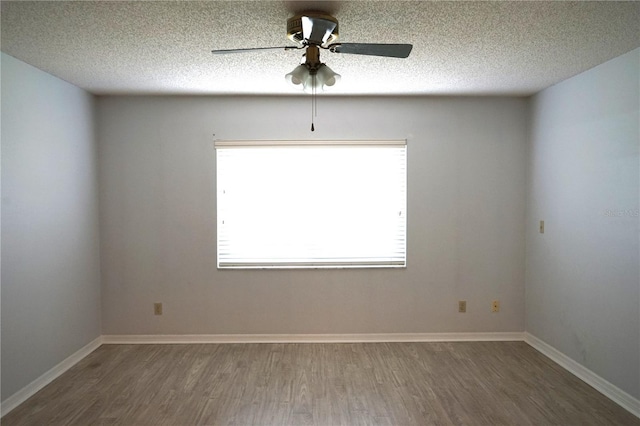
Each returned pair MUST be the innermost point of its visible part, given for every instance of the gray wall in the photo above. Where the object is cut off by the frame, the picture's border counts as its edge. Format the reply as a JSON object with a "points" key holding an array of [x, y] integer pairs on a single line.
{"points": [[466, 210], [50, 249], [582, 279]]}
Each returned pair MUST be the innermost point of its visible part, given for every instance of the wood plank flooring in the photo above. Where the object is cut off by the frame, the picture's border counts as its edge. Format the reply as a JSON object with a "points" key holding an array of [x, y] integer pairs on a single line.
{"points": [[476, 383]]}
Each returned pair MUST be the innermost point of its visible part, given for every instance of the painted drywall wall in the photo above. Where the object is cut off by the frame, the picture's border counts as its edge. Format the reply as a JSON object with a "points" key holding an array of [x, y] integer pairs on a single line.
{"points": [[582, 282], [50, 248], [466, 201]]}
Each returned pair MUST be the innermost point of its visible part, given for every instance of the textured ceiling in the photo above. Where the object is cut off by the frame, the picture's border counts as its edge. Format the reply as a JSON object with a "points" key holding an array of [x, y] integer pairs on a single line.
{"points": [[460, 48]]}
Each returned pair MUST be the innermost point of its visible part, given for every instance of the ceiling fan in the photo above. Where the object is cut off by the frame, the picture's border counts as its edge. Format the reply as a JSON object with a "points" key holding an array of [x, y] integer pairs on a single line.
{"points": [[313, 31]]}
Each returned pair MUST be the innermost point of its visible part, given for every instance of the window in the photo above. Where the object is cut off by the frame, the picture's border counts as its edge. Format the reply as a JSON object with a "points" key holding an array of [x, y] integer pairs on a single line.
{"points": [[311, 204]]}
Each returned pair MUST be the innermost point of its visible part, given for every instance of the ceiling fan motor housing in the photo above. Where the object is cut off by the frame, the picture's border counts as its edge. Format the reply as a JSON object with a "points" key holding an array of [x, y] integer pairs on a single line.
{"points": [[321, 24]]}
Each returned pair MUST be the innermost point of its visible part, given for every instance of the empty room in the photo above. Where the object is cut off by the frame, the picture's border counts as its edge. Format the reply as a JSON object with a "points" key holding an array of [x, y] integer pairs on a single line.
{"points": [[320, 213]]}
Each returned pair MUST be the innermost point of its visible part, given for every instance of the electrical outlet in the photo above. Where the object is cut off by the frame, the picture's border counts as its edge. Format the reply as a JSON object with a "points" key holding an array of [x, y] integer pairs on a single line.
{"points": [[157, 308], [462, 306], [495, 306], [542, 226]]}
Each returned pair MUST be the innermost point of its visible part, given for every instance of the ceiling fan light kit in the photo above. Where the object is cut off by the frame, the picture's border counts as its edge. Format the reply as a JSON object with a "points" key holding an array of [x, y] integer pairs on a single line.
{"points": [[318, 79]]}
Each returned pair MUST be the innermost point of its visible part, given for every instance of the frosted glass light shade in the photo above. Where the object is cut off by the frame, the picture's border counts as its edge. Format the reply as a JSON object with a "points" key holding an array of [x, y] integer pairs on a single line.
{"points": [[326, 77], [298, 75]]}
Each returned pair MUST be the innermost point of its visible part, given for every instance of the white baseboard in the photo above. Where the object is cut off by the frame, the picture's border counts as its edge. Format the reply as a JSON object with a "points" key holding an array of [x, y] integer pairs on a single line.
{"points": [[609, 390], [28, 391], [311, 338]]}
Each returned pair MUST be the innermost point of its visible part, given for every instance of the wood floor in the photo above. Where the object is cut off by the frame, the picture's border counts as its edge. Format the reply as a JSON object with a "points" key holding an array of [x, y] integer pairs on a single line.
{"points": [[479, 383]]}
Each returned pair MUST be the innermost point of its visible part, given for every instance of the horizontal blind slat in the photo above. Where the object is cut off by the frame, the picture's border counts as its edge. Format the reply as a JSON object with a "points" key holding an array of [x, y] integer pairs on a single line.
{"points": [[297, 143]]}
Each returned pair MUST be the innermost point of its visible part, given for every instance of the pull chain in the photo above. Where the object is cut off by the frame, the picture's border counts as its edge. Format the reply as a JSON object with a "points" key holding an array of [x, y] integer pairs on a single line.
{"points": [[313, 100]]}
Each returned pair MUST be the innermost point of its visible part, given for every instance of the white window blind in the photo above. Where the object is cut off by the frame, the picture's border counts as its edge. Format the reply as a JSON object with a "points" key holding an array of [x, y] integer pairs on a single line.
{"points": [[313, 204]]}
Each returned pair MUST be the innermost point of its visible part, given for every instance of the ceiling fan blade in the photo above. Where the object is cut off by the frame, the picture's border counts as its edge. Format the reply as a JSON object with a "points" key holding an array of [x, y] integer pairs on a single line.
{"points": [[373, 49], [253, 49]]}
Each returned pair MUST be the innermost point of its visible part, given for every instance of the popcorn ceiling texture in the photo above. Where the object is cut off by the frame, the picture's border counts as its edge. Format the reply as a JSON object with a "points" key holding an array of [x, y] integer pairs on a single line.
{"points": [[460, 48]]}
